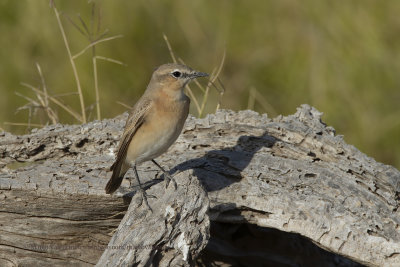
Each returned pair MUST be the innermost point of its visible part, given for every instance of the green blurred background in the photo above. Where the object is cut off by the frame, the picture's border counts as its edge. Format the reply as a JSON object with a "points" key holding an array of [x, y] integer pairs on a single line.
{"points": [[343, 57]]}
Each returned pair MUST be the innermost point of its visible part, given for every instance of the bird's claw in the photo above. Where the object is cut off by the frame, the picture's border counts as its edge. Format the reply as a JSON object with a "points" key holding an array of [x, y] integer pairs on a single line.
{"points": [[168, 178]]}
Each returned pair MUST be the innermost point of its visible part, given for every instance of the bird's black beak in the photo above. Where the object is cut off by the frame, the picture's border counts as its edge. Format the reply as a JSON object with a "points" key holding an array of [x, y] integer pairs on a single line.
{"points": [[197, 74]]}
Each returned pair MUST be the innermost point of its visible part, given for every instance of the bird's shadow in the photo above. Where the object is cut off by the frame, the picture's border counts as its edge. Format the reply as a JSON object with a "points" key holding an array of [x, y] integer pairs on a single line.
{"points": [[228, 163], [225, 165]]}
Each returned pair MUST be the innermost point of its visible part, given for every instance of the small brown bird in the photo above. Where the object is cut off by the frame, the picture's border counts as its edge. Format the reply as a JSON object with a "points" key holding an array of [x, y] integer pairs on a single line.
{"points": [[154, 123]]}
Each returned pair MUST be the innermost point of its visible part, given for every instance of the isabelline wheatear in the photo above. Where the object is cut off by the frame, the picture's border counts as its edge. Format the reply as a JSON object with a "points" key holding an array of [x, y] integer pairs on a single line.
{"points": [[154, 123]]}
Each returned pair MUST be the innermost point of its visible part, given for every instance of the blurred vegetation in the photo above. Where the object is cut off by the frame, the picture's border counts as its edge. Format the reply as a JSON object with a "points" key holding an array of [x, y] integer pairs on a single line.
{"points": [[343, 57]]}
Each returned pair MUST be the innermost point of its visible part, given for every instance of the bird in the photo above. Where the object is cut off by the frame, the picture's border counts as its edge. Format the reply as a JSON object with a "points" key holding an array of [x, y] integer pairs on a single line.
{"points": [[154, 123]]}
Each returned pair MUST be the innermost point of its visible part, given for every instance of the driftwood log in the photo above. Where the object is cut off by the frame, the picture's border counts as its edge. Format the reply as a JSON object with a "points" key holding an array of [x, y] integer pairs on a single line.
{"points": [[252, 191]]}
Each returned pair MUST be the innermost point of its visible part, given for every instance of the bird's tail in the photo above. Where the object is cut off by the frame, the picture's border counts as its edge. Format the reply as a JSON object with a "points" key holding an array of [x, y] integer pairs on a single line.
{"points": [[119, 169]]}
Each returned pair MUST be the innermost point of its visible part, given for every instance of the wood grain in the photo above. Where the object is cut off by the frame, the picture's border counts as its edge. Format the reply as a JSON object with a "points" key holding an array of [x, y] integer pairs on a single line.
{"points": [[293, 174]]}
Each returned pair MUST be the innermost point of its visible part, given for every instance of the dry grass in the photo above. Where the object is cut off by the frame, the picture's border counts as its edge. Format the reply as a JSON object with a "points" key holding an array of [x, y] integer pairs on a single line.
{"points": [[43, 99], [93, 35], [200, 108], [256, 97], [41, 102], [72, 61]]}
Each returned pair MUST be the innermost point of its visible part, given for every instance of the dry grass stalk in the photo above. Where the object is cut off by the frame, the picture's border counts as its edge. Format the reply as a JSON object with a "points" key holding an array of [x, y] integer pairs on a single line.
{"points": [[213, 77], [75, 71], [256, 96], [69, 110], [94, 37], [124, 105]]}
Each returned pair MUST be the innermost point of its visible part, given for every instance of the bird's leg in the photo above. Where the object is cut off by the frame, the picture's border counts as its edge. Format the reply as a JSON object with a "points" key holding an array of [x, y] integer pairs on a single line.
{"points": [[144, 195], [167, 176]]}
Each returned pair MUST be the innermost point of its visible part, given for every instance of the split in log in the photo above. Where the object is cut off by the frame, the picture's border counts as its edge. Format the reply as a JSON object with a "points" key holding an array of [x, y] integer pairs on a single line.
{"points": [[273, 188]]}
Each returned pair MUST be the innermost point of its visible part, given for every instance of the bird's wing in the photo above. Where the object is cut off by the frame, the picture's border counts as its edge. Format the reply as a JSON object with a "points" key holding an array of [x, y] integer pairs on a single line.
{"points": [[137, 116]]}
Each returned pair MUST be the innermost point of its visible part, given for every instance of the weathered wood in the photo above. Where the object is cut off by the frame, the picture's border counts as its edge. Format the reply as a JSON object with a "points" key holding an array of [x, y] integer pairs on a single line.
{"points": [[289, 173], [172, 234]]}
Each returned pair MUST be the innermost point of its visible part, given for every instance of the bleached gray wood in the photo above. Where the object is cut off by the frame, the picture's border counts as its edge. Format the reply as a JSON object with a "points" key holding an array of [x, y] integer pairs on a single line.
{"points": [[290, 173], [172, 234]]}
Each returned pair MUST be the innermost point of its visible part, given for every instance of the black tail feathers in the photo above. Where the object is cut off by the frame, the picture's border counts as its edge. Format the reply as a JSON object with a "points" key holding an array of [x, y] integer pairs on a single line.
{"points": [[116, 178]]}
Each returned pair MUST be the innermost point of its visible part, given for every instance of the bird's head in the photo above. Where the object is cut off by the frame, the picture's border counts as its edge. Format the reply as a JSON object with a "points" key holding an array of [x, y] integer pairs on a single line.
{"points": [[174, 76]]}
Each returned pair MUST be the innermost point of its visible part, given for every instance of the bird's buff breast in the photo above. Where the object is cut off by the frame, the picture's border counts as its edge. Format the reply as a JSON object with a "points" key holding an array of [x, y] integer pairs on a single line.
{"points": [[158, 132]]}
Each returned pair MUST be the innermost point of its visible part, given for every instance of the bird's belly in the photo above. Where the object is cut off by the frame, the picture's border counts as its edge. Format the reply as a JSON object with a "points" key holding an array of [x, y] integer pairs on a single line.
{"points": [[156, 135], [160, 145]]}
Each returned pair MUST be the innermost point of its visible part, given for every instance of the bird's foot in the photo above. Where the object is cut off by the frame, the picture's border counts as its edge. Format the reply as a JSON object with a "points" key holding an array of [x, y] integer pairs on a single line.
{"points": [[144, 199], [144, 196], [168, 178]]}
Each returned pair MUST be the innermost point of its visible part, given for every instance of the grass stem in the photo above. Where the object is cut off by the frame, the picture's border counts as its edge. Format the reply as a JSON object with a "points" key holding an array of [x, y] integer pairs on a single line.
{"points": [[78, 84]]}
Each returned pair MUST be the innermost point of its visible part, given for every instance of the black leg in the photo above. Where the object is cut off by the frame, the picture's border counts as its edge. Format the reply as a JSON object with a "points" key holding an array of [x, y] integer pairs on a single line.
{"points": [[167, 176], [144, 196]]}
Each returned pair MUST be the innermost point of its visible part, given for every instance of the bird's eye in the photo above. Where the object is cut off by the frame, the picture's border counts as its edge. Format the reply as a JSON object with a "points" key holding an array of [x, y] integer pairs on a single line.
{"points": [[176, 74]]}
